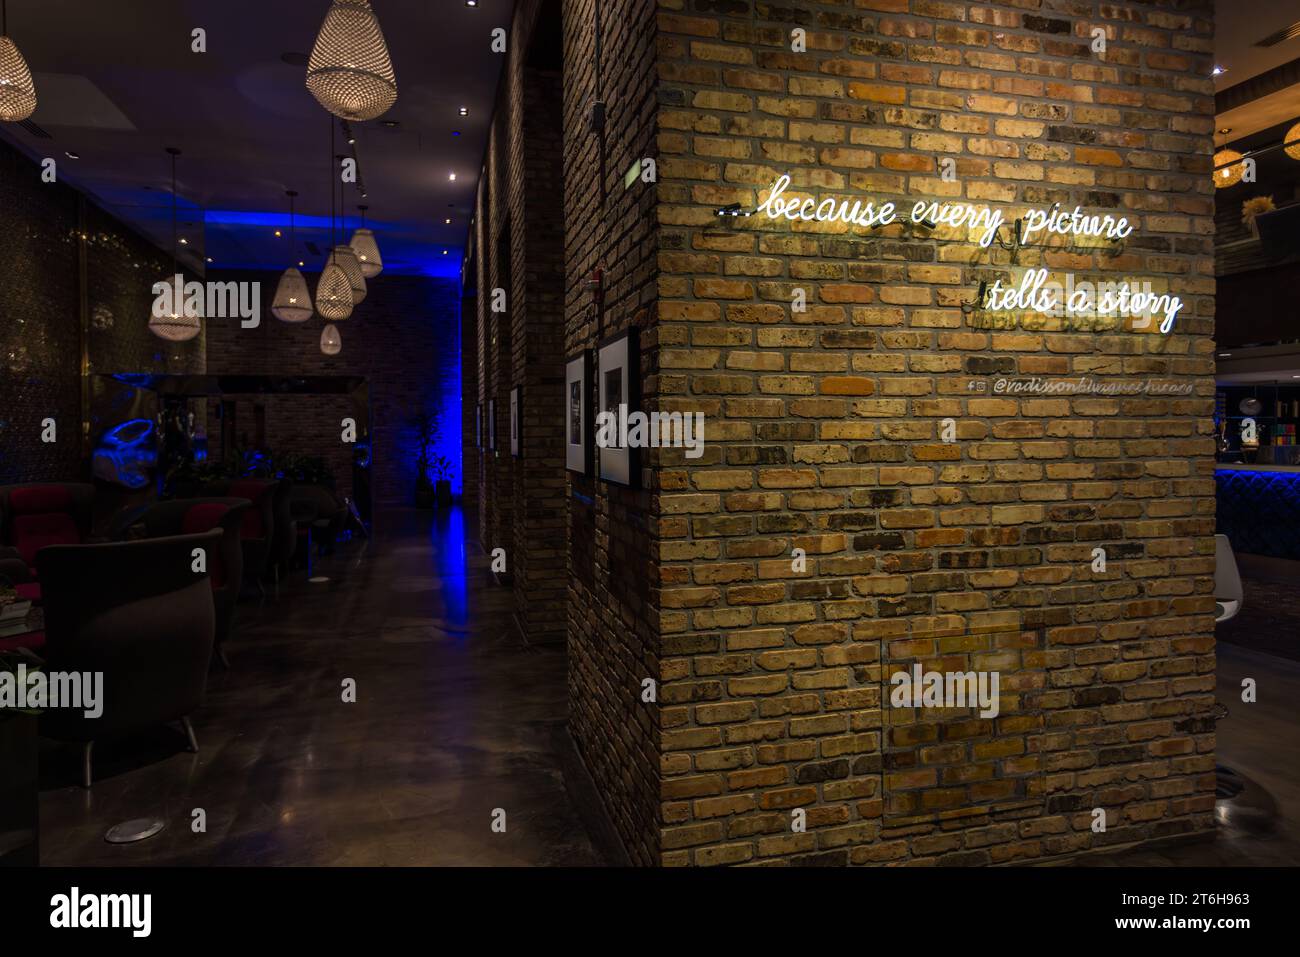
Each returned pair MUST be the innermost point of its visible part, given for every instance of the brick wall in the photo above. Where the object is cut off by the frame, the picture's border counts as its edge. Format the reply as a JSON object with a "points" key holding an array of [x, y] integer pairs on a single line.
{"points": [[519, 238], [48, 229], [823, 435], [613, 533], [403, 338]]}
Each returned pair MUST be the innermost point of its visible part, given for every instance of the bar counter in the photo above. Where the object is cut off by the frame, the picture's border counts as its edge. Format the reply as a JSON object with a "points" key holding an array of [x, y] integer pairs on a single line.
{"points": [[1259, 508]]}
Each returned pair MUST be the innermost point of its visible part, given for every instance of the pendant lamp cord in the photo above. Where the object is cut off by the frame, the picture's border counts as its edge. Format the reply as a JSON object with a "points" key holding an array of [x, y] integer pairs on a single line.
{"points": [[173, 212], [331, 188]]}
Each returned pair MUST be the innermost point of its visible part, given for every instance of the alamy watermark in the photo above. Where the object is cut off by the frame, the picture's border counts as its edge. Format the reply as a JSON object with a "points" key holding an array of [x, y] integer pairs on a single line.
{"points": [[211, 300], [919, 688], [623, 429], [33, 688]]}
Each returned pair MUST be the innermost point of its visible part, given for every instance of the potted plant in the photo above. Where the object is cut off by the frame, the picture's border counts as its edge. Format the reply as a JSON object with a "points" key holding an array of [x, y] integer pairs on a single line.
{"points": [[1252, 208], [432, 472], [441, 469]]}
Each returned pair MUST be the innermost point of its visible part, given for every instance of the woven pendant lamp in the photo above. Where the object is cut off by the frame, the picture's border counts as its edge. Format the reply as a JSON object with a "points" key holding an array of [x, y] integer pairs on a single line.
{"points": [[1229, 175], [333, 289], [367, 250], [292, 301], [350, 72], [331, 343], [183, 321], [17, 91], [345, 257]]}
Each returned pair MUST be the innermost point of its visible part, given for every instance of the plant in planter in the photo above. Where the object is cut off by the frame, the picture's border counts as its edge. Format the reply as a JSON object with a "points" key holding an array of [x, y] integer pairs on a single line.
{"points": [[1252, 208], [432, 472]]}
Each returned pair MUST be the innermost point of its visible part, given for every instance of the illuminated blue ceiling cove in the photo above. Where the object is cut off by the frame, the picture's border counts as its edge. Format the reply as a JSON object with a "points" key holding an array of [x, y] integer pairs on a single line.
{"points": [[115, 90]]}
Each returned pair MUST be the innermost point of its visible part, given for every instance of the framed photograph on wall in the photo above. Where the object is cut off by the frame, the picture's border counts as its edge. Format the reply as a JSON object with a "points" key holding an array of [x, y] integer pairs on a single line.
{"points": [[478, 426], [516, 430], [577, 414], [618, 378], [492, 425]]}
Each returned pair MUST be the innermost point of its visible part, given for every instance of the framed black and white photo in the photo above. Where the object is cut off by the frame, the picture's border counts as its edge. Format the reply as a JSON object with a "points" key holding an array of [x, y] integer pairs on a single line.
{"points": [[618, 379], [492, 425], [516, 443], [478, 426], [577, 413]]}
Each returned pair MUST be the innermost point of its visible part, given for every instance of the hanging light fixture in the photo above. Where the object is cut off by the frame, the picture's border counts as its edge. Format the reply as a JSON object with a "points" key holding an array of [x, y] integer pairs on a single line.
{"points": [[1292, 141], [17, 91], [346, 258], [292, 301], [1228, 175], [182, 321], [333, 289], [344, 255], [331, 343], [367, 250], [350, 72]]}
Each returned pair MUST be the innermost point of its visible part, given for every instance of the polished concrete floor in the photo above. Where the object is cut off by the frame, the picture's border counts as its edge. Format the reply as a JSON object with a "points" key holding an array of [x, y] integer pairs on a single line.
{"points": [[455, 717]]}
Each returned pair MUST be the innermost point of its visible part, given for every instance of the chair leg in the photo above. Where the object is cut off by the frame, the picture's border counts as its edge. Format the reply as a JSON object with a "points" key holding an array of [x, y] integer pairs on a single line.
{"points": [[189, 733], [221, 657], [85, 764]]}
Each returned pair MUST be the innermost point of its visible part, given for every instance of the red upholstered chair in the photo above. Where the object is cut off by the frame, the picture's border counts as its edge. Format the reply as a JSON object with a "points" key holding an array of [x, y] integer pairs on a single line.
{"points": [[190, 516], [36, 515], [257, 527]]}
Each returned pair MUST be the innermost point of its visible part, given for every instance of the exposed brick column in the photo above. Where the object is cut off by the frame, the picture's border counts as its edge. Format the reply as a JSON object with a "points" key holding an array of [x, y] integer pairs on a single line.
{"points": [[613, 633], [825, 435], [530, 99], [498, 335]]}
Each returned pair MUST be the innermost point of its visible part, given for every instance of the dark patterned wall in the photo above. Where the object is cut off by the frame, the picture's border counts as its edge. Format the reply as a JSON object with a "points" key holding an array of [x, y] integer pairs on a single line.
{"points": [[44, 230]]}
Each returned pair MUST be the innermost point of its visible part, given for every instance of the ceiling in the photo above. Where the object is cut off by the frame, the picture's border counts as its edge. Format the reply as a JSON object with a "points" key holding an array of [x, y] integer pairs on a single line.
{"points": [[1239, 26], [117, 89]]}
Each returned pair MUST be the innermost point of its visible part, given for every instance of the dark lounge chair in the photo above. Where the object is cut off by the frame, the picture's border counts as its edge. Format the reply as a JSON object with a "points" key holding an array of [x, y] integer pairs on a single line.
{"points": [[138, 613], [258, 527], [187, 516], [38, 514]]}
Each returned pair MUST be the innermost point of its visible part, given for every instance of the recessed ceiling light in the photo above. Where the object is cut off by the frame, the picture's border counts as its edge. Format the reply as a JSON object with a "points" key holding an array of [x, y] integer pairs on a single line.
{"points": [[453, 177], [301, 263], [464, 111], [448, 222], [184, 241], [444, 252], [391, 124], [209, 259], [1224, 355], [1218, 70], [471, 3], [71, 155], [1225, 130], [277, 234]]}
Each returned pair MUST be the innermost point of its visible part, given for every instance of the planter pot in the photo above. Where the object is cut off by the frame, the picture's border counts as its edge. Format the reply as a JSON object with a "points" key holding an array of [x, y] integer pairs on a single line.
{"points": [[18, 791], [443, 493]]}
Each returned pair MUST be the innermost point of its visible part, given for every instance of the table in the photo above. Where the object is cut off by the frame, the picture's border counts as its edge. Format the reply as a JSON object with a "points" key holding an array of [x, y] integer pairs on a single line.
{"points": [[28, 632]]}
